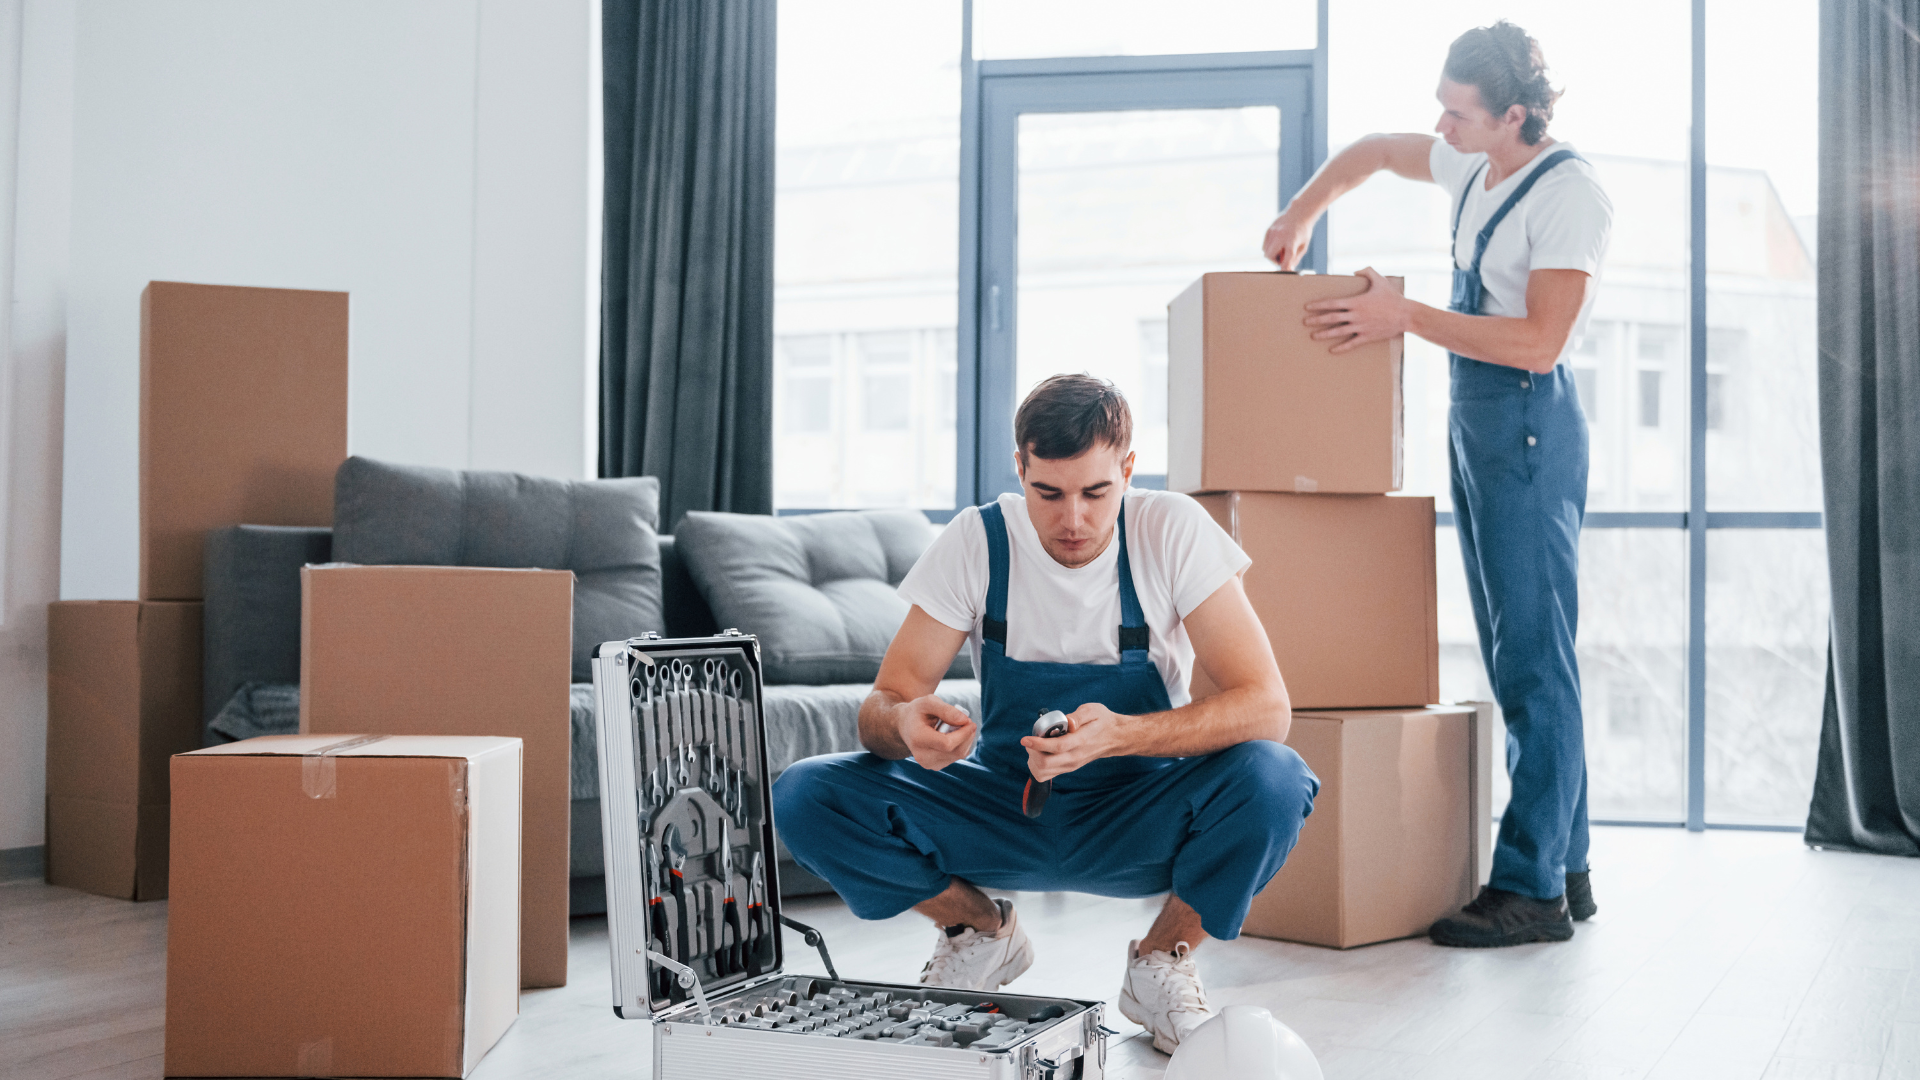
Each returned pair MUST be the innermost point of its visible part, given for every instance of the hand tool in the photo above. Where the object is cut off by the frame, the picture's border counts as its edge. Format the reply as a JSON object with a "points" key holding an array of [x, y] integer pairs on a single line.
{"points": [[663, 728], [690, 721], [730, 950], [641, 769], [729, 690], [1051, 725], [742, 710], [662, 987], [757, 928], [716, 779], [673, 851], [682, 723]]}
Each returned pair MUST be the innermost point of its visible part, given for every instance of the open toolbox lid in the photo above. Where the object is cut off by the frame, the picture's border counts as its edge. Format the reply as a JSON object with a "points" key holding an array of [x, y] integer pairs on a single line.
{"points": [[687, 821]]}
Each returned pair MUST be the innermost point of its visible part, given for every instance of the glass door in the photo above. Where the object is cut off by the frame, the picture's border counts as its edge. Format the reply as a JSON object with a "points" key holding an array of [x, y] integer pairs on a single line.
{"points": [[1103, 195]]}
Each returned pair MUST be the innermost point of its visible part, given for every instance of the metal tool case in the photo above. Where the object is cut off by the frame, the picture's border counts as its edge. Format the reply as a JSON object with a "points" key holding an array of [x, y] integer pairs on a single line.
{"points": [[693, 905]]}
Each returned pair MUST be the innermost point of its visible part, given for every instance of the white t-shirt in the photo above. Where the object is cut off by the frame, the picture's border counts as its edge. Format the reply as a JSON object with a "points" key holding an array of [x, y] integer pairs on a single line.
{"points": [[1562, 224], [1178, 555]]}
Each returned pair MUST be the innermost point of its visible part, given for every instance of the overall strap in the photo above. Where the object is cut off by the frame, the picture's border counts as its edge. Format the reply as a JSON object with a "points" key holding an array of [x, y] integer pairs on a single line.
{"points": [[1486, 232], [1462, 208], [995, 522], [1133, 622]]}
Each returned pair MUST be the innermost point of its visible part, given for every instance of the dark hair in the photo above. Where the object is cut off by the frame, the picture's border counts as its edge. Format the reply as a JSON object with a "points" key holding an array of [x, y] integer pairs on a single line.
{"points": [[1066, 414], [1505, 65]]}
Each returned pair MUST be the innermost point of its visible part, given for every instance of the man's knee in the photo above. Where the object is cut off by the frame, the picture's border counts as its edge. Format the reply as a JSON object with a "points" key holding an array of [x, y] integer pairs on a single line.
{"points": [[1273, 780], [800, 798]]}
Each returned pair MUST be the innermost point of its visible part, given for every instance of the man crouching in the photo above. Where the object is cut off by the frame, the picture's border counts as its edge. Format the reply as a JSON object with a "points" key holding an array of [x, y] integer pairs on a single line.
{"points": [[1083, 596]]}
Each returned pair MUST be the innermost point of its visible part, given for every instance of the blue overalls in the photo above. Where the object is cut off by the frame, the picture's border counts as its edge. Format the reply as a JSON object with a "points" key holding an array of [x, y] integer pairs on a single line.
{"points": [[890, 834], [1517, 449]]}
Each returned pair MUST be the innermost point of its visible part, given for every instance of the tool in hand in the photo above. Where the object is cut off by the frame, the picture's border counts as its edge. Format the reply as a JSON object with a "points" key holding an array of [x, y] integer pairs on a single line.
{"points": [[730, 959], [946, 727], [1051, 725]]}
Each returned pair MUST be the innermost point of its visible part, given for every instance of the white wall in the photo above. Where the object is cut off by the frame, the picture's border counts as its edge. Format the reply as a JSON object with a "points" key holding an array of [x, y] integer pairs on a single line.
{"points": [[436, 159], [428, 157], [35, 110]]}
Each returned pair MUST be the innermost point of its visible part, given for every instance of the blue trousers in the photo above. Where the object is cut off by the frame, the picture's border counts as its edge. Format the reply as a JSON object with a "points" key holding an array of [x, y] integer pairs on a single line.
{"points": [[1518, 455], [890, 834]]}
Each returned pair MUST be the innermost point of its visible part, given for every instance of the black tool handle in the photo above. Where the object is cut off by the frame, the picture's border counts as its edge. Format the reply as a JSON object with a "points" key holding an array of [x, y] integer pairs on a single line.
{"points": [[679, 886], [756, 929], [1033, 798], [727, 957], [662, 978]]}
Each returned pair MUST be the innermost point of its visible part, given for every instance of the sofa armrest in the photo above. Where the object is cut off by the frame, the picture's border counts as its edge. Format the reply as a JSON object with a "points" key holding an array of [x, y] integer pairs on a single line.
{"points": [[252, 627], [686, 611]]}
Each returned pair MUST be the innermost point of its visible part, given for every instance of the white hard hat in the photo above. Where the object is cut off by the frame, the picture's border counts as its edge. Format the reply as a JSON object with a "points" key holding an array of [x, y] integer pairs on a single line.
{"points": [[1243, 1041]]}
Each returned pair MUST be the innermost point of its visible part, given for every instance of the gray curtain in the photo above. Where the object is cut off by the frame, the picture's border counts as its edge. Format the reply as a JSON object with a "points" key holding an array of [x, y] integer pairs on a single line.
{"points": [[1866, 793], [686, 352]]}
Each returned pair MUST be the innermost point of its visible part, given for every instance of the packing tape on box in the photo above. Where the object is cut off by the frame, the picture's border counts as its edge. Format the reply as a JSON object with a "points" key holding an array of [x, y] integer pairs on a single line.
{"points": [[315, 1058], [316, 769]]}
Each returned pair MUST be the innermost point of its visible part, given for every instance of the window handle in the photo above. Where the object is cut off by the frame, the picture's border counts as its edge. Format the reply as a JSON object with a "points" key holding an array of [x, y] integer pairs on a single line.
{"points": [[993, 308]]}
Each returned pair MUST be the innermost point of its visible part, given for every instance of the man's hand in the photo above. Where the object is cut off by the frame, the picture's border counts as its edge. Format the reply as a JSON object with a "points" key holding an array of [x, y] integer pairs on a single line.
{"points": [[1093, 732], [919, 723], [1353, 321], [1287, 239]]}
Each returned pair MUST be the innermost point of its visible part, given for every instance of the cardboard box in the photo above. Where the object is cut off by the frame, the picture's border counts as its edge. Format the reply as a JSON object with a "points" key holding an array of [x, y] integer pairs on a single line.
{"points": [[1401, 833], [243, 418], [440, 650], [1344, 585], [343, 907], [1255, 404], [123, 696]]}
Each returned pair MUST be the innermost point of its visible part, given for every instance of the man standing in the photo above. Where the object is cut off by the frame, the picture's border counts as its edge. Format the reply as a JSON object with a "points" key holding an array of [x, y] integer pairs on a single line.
{"points": [[1530, 229], [1083, 596]]}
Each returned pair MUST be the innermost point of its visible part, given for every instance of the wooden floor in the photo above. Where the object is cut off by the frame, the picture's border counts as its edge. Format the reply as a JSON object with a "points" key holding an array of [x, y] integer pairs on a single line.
{"points": [[1723, 955]]}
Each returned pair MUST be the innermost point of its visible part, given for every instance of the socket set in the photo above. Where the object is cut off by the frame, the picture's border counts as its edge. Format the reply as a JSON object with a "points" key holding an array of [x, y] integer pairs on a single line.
{"points": [[693, 904]]}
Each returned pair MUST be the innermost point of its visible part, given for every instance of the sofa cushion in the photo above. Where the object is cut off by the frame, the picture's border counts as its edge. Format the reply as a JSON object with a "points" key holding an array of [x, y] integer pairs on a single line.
{"points": [[602, 530], [818, 590], [252, 618]]}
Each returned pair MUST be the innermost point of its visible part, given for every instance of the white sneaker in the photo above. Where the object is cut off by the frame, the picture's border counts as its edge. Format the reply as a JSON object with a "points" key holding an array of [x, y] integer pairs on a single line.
{"points": [[1162, 993], [971, 960]]}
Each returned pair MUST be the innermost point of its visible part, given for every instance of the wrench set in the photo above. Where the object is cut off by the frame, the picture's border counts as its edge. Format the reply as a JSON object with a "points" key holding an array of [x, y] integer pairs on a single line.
{"points": [[693, 904], [697, 768]]}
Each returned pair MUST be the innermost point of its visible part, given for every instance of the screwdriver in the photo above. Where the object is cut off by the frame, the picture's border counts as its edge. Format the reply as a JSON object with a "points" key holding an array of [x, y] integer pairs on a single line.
{"points": [[1033, 799]]}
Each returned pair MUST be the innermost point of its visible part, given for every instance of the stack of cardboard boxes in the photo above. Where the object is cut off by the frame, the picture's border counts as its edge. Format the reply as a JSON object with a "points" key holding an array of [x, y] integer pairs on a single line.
{"points": [[243, 418], [1294, 450]]}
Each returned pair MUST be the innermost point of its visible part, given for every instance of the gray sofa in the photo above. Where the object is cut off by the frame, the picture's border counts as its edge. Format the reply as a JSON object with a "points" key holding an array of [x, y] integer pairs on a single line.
{"points": [[252, 647]]}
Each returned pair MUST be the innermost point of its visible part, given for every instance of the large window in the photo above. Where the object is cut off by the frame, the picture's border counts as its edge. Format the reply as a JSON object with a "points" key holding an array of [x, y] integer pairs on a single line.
{"points": [[866, 253], [941, 249]]}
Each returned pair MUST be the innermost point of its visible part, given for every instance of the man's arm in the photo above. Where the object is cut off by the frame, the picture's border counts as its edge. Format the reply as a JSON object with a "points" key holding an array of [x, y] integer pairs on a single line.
{"points": [[1232, 646], [1291, 232], [1532, 343], [901, 718]]}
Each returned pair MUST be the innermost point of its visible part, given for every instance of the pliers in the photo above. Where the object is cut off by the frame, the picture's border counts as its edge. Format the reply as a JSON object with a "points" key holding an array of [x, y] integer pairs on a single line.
{"points": [[729, 957], [757, 927], [673, 852], [662, 979]]}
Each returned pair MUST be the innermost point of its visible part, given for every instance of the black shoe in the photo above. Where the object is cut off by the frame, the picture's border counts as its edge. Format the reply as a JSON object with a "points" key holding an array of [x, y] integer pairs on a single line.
{"points": [[1580, 903], [1497, 918]]}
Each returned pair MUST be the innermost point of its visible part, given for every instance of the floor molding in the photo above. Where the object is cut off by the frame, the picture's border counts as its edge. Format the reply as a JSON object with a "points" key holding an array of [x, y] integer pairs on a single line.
{"points": [[23, 863]]}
